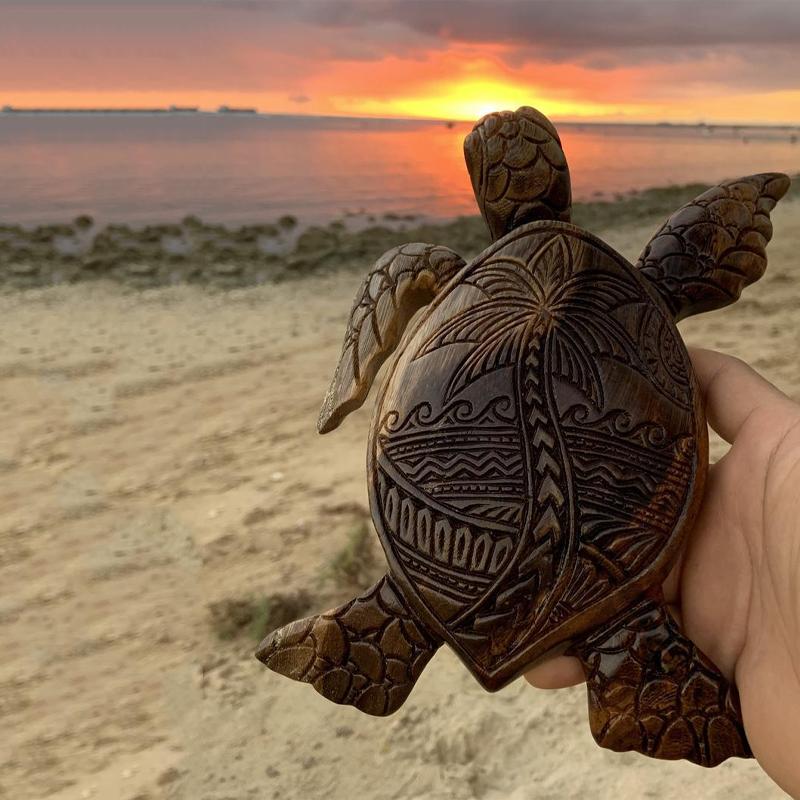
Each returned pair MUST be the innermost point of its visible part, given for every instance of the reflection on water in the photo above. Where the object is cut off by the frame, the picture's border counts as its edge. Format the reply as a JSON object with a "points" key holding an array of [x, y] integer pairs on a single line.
{"points": [[234, 169]]}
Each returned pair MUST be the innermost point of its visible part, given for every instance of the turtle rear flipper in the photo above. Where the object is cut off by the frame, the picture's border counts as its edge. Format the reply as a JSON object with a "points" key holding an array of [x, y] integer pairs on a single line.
{"points": [[653, 691], [710, 249], [402, 281], [367, 653]]}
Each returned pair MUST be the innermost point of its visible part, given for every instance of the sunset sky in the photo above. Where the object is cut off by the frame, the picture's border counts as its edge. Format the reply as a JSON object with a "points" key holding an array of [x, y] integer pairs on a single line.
{"points": [[621, 60]]}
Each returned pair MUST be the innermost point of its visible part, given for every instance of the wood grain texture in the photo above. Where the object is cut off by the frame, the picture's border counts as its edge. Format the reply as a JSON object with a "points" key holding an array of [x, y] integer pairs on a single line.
{"points": [[538, 452], [401, 282], [367, 653], [518, 170], [653, 691], [710, 249]]}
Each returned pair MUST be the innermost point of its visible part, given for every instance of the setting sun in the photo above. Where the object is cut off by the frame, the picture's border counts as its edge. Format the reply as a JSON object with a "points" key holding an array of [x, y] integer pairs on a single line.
{"points": [[471, 99]]}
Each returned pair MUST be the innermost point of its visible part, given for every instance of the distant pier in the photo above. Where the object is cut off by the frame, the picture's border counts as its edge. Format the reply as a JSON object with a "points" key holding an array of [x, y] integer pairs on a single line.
{"points": [[173, 109], [168, 110]]}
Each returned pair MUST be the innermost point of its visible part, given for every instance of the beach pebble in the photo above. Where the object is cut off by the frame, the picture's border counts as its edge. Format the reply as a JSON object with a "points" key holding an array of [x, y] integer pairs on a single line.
{"points": [[277, 476]]}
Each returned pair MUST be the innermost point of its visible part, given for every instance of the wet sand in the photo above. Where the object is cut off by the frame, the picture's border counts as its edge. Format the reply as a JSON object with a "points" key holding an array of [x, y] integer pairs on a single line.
{"points": [[158, 455]]}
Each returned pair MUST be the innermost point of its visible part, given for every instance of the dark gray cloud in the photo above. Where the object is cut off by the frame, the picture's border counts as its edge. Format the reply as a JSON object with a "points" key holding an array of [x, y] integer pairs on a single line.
{"points": [[753, 44], [598, 34], [572, 25], [562, 28]]}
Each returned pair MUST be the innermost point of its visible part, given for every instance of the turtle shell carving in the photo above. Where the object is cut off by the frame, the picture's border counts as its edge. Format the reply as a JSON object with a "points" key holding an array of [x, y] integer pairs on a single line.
{"points": [[537, 453]]}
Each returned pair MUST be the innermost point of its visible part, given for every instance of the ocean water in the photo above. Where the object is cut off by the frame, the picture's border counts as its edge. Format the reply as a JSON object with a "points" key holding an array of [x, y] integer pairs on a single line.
{"points": [[243, 169]]}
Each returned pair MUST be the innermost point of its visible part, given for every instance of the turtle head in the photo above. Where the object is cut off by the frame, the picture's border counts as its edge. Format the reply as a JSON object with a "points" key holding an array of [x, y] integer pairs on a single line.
{"points": [[518, 170]]}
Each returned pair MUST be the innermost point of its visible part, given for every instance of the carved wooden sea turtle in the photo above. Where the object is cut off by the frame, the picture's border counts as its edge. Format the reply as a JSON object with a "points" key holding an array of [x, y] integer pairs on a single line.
{"points": [[538, 453]]}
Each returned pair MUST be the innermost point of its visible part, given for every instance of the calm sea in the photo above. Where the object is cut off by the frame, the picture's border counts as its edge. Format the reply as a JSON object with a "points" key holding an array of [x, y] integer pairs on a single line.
{"points": [[255, 168]]}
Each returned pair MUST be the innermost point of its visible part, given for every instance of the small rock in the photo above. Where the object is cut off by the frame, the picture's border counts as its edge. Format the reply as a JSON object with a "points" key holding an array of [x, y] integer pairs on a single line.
{"points": [[213, 513], [277, 476]]}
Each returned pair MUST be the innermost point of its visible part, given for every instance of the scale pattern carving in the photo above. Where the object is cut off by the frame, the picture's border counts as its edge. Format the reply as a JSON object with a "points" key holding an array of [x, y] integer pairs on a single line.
{"points": [[715, 246], [401, 281], [367, 653], [651, 690], [518, 170]]}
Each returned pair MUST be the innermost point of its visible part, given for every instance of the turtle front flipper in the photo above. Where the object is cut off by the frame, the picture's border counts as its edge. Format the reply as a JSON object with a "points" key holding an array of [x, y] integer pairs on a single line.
{"points": [[367, 653], [711, 248], [402, 281], [518, 170], [653, 691]]}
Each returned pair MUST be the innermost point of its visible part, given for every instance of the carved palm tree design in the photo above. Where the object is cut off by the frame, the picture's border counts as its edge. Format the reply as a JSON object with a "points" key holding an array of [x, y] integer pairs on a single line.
{"points": [[541, 298], [545, 319]]}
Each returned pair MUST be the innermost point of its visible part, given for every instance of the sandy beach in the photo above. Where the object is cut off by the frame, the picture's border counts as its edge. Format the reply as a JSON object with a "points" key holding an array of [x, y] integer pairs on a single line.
{"points": [[161, 476]]}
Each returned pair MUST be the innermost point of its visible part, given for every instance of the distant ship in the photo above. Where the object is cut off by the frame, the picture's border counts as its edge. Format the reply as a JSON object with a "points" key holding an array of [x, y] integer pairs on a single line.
{"points": [[173, 109], [231, 110]]}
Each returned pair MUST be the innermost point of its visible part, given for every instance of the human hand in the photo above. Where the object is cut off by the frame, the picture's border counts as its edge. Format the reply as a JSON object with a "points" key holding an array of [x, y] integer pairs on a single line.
{"points": [[736, 587]]}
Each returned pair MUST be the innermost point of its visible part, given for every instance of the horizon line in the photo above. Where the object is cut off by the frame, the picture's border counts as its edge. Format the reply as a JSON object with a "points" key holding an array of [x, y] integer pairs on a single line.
{"points": [[225, 110]]}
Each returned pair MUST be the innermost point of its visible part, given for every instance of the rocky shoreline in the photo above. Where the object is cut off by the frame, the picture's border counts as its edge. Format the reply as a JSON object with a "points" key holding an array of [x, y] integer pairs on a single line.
{"points": [[221, 257]]}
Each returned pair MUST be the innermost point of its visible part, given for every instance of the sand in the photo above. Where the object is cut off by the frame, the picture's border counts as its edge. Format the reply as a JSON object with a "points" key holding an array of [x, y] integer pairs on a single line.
{"points": [[158, 454]]}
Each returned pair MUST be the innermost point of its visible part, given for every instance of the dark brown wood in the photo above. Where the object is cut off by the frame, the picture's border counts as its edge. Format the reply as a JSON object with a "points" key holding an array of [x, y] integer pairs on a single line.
{"points": [[538, 453], [652, 690], [518, 170], [710, 249], [367, 653], [402, 281]]}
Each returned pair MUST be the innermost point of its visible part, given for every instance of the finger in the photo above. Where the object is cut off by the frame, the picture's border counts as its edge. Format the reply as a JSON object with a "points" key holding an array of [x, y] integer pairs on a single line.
{"points": [[556, 673], [733, 391]]}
